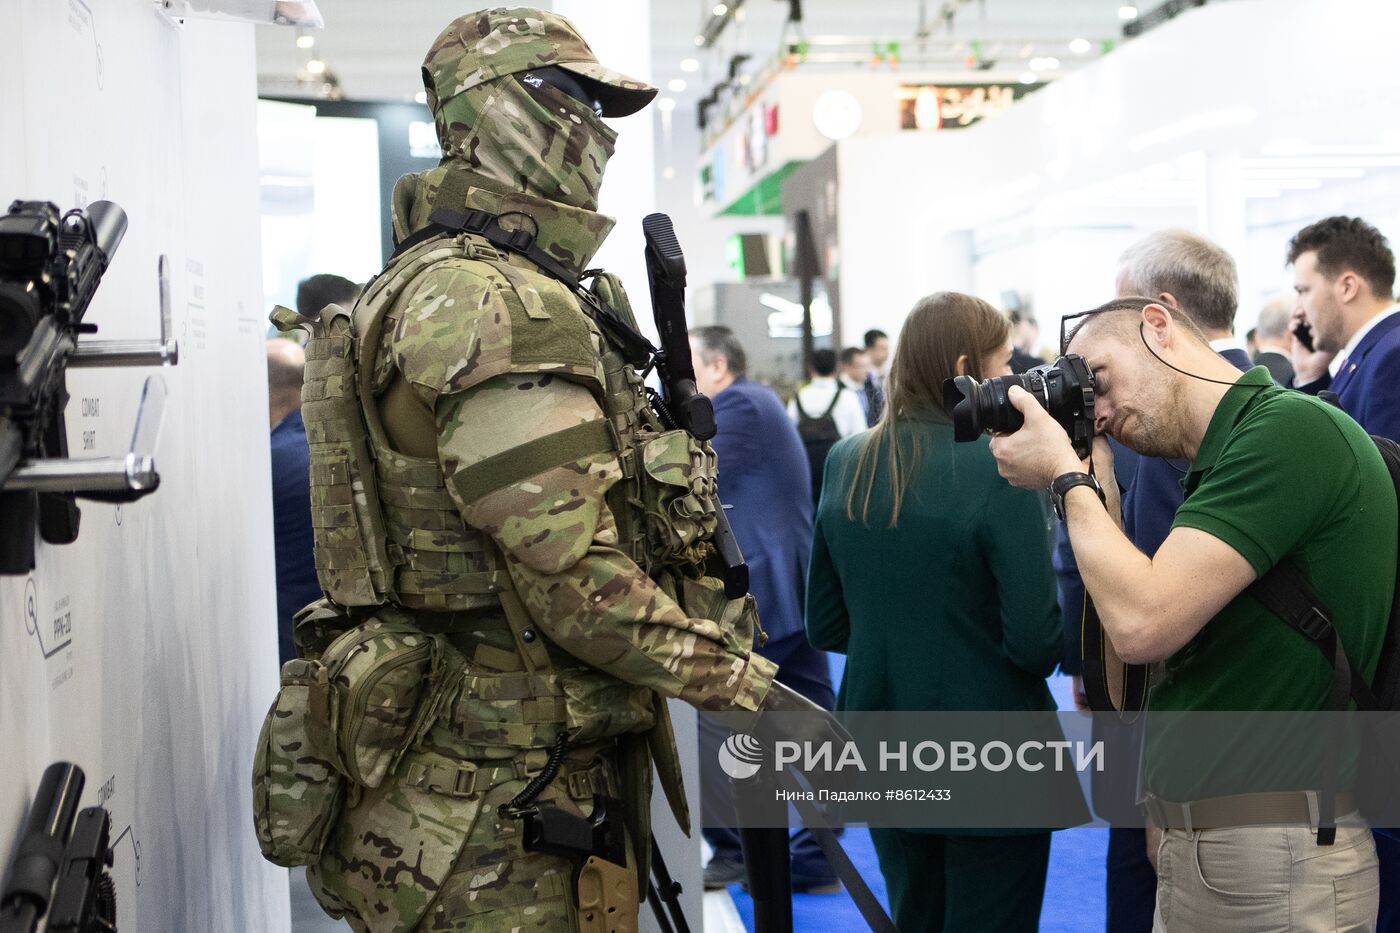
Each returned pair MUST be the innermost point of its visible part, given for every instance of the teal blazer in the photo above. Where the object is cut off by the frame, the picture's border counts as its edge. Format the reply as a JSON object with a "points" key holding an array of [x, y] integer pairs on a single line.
{"points": [[952, 610]]}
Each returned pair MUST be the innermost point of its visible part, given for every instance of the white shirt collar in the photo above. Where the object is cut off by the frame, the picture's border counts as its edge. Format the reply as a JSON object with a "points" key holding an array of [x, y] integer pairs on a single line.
{"points": [[1228, 343], [1336, 365]]}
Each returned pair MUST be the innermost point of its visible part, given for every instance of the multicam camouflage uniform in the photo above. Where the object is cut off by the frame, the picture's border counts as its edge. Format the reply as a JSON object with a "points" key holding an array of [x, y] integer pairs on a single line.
{"points": [[512, 461]]}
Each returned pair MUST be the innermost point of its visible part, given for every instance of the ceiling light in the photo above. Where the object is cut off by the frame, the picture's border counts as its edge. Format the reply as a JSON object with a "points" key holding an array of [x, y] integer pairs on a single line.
{"points": [[720, 9], [1080, 46], [666, 104], [675, 85], [1029, 77], [315, 66], [1044, 64], [699, 40], [689, 65], [305, 42], [668, 173], [1127, 12], [421, 97]]}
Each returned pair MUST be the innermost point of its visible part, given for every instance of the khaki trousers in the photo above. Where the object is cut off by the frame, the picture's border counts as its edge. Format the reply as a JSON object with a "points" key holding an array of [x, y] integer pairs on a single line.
{"points": [[1261, 879]]}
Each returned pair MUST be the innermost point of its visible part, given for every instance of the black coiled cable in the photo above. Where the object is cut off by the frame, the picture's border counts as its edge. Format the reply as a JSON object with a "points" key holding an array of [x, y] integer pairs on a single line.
{"points": [[539, 782]]}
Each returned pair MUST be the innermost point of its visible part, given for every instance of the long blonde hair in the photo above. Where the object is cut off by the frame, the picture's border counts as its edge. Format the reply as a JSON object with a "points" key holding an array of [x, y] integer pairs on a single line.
{"points": [[942, 327]]}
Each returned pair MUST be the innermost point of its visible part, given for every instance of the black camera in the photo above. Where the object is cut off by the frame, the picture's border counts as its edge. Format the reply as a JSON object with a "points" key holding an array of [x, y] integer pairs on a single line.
{"points": [[1064, 388]]}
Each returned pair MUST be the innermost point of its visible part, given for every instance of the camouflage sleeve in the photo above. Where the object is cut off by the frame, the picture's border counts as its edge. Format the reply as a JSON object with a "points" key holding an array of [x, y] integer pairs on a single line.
{"points": [[560, 543]]}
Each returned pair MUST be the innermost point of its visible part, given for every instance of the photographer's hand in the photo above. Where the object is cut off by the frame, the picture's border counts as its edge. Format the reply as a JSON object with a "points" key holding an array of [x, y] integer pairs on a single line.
{"points": [[1037, 453]]}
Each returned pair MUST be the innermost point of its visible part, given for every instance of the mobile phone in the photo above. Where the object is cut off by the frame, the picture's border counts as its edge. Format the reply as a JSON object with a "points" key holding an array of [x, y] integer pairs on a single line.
{"points": [[1303, 332]]}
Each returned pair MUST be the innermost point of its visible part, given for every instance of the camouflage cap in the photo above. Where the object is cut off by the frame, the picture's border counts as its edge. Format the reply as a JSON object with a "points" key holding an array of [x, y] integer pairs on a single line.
{"points": [[485, 45]]}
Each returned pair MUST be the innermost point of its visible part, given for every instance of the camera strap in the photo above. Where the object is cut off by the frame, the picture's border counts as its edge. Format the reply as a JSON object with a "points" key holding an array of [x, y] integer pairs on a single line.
{"points": [[1134, 677]]}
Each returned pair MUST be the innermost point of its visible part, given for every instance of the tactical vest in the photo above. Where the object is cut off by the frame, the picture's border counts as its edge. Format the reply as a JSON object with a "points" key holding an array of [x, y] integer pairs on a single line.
{"points": [[386, 529]]}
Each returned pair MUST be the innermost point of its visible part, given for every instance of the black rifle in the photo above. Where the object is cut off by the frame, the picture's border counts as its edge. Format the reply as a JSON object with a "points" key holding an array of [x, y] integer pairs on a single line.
{"points": [[61, 867], [682, 403], [50, 267]]}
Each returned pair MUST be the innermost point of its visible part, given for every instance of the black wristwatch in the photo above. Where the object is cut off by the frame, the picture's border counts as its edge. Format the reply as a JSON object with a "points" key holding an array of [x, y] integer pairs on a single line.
{"points": [[1067, 481]]}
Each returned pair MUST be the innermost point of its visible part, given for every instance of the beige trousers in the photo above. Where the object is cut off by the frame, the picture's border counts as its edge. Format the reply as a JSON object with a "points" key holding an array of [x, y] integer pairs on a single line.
{"points": [[1262, 879]]}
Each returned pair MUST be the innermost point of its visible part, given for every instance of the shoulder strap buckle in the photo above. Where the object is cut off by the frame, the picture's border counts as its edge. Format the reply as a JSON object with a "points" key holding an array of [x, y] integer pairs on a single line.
{"points": [[1315, 624]]}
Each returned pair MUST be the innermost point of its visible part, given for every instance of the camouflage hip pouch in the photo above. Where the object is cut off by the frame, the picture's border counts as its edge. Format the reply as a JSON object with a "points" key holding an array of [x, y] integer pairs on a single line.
{"points": [[349, 715], [677, 485], [297, 791]]}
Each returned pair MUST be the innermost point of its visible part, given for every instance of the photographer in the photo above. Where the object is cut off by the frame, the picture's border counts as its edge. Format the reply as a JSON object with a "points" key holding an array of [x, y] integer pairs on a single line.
{"points": [[1259, 455]]}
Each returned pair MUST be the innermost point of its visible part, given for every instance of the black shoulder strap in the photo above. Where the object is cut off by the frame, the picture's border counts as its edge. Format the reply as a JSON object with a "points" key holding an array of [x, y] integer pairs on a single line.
{"points": [[445, 221], [835, 397], [1286, 593], [797, 403], [1095, 670]]}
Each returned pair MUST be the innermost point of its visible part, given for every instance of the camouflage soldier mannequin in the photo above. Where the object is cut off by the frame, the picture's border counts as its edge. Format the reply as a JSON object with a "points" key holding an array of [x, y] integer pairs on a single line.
{"points": [[516, 467]]}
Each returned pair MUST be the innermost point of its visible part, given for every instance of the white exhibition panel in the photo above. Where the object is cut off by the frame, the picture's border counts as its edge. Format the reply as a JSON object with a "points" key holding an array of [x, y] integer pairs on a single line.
{"points": [[1061, 168], [146, 652]]}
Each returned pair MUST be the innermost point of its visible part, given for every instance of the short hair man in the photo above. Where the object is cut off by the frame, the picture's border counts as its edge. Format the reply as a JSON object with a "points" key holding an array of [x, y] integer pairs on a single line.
{"points": [[877, 349], [1259, 454], [854, 366], [1192, 275], [293, 547], [1273, 340], [1344, 273], [825, 411], [763, 475]]}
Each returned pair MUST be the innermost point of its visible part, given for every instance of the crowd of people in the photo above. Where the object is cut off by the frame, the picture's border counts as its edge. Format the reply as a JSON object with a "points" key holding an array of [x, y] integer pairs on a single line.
{"points": [[845, 501], [496, 500], [1194, 430]]}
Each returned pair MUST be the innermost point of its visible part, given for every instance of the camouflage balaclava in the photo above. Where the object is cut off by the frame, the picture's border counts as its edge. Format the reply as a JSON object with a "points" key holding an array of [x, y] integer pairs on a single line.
{"points": [[526, 137]]}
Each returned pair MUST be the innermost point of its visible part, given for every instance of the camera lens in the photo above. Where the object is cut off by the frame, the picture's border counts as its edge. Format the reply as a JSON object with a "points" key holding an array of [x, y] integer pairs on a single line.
{"points": [[983, 407], [1064, 388]]}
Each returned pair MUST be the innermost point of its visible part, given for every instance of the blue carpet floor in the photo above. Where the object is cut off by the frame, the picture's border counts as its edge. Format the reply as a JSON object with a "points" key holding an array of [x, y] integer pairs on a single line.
{"points": [[1074, 889]]}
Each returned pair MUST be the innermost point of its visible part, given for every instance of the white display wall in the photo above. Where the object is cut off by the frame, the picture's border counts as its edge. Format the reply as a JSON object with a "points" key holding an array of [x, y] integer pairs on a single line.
{"points": [[146, 651]]}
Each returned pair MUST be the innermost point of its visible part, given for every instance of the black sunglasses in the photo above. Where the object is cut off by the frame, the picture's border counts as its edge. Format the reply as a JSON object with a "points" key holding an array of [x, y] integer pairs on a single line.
{"points": [[563, 81]]}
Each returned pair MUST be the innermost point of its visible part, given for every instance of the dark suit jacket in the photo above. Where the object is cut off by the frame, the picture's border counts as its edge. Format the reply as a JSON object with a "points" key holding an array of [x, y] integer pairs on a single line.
{"points": [[763, 473], [291, 527], [1278, 364], [1368, 385]]}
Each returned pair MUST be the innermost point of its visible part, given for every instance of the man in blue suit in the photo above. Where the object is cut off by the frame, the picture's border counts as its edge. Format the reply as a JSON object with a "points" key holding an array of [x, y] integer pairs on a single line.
{"points": [[1190, 273], [291, 490], [763, 474], [1344, 274]]}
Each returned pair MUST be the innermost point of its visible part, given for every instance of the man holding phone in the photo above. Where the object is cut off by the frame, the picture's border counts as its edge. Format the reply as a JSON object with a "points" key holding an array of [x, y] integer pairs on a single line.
{"points": [[1346, 324]]}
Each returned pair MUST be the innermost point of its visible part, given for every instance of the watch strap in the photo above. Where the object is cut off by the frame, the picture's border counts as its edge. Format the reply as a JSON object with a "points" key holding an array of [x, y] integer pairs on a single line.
{"points": [[1063, 483]]}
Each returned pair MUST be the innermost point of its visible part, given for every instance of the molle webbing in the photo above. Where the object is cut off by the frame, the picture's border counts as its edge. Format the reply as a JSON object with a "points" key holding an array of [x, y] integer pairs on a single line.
{"points": [[352, 564]]}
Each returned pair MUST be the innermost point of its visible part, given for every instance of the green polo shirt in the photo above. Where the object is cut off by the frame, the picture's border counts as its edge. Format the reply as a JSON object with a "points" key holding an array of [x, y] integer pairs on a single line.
{"points": [[1280, 474]]}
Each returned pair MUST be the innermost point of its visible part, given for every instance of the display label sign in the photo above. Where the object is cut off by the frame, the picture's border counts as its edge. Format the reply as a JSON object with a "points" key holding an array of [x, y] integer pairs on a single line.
{"points": [[954, 106]]}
